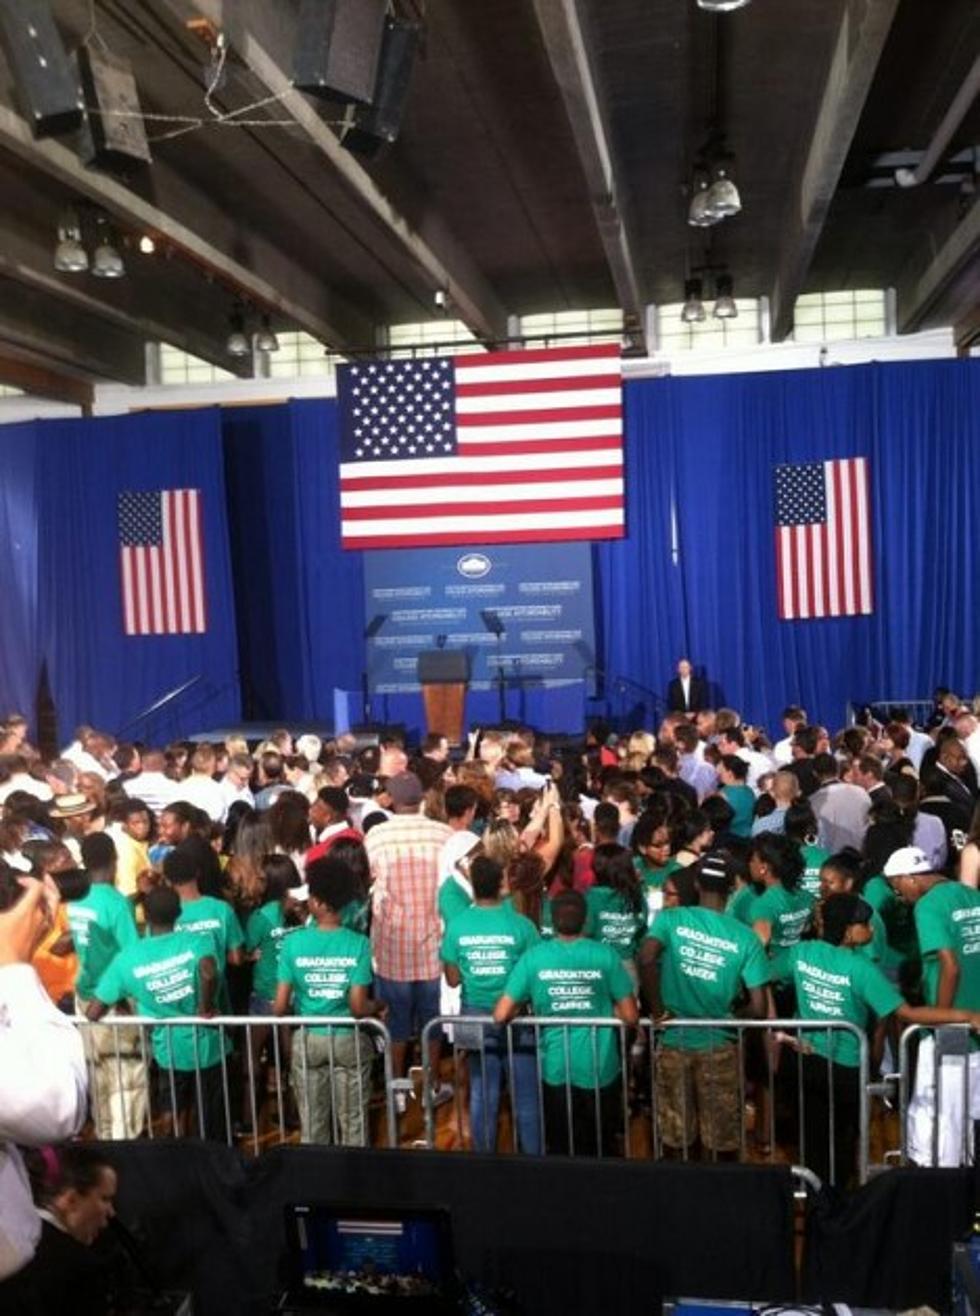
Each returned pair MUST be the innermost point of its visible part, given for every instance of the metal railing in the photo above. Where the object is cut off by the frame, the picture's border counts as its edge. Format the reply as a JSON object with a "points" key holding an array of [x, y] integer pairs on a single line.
{"points": [[135, 1086], [938, 1095], [618, 1085]]}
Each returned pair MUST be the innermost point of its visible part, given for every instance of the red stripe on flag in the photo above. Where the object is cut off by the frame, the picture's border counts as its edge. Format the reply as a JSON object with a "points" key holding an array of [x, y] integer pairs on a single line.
{"points": [[482, 479], [562, 416], [498, 387], [553, 446], [585, 504], [529, 355], [485, 537]]}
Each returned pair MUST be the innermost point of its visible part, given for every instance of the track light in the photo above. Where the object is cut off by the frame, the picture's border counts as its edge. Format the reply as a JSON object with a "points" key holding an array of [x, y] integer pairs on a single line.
{"points": [[722, 6], [725, 308], [699, 214], [70, 256], [723, 199], [237, 344], [441, 300], [265, 339], [106, 260], [147, 245], [693, 309]]}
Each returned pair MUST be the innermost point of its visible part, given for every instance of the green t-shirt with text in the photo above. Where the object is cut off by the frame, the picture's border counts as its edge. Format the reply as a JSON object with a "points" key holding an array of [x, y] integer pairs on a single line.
{"points": [[160, 976], [614, 922], [833, 983], [787, 913], [574, 979], [814, 858], [101, 926], [485, 942], [264, 932], [707, 959], [899, 921], [948, 918], [215, 920], [322, 965]]}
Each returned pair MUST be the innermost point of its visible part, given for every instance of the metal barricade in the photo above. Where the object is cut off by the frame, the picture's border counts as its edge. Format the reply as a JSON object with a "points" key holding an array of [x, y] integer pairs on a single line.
{"points": [[938, 1095], [650, 1072], [329, 1061]]}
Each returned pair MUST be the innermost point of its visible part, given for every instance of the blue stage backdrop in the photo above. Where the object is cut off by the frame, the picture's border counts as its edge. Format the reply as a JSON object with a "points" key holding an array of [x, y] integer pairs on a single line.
{"points": [[541, 596], [19, 634]]}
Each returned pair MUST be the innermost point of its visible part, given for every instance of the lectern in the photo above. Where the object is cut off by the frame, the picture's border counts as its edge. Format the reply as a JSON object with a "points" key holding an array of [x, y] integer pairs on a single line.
{"points": [[443, 676]]}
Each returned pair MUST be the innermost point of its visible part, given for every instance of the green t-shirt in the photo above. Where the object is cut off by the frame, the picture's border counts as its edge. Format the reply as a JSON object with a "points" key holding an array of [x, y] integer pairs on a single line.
{"points": [[485, 942], [355, 915], [742, 800], [581, 979], [452, 900], [651, 876], [264, 932], [101, 926], [160, 976], [836, 984], [899, 921], [614, 922], [707, 959], [948, 918], [814, 859], [740, 904], [212, 919], [875, 950], [787, 913], [322, 965]]}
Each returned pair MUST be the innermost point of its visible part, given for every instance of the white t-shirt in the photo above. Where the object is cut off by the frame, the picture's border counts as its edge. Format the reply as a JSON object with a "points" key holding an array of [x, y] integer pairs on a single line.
{"points": [[204, 793]]}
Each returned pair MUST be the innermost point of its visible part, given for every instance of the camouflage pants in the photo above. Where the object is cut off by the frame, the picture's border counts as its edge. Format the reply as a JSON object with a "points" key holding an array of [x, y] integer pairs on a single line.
{"points": [[698, 1095]]}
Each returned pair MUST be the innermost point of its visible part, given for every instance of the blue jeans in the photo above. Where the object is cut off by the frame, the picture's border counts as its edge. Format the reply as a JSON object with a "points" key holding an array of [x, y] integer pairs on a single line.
{"points": [[487, 1066]]}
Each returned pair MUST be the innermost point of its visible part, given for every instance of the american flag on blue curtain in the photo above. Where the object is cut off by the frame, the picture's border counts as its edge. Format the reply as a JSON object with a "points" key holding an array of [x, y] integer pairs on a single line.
{"points": [[161, 559], [823, 539], [489, 448]]}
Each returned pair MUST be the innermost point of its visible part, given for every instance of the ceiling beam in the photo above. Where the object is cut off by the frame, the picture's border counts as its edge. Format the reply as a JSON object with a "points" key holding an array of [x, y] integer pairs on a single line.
{"points": [[43, 382], [860, 41], [948, 289], [262, 36], [202, 230], [139, 306], [567, 45], [65, 338]]}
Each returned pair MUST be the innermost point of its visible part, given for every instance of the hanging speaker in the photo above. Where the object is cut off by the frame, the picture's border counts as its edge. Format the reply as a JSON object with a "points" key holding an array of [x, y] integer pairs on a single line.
{"points": [[113, 135], [381, 121], [42, 73], [338, 45]]}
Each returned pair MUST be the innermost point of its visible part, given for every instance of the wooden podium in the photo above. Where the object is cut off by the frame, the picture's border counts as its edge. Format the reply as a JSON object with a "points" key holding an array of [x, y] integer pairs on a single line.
{"points": [[443, 676]]}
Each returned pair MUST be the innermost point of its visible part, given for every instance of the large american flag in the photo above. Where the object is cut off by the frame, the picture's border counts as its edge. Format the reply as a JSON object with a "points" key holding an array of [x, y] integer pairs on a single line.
{"points": [[496, 448], [161, 553], [823, 539]]}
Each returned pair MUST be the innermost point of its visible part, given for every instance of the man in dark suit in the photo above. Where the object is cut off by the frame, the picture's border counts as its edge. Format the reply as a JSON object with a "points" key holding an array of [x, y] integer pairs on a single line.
{"points": [[686, 693]]}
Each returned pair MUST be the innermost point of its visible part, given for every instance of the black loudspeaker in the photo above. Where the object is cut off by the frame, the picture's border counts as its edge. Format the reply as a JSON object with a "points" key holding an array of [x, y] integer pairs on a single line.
{"points": [[381, 121], [42, 73], [113, 135], [338, 45]]}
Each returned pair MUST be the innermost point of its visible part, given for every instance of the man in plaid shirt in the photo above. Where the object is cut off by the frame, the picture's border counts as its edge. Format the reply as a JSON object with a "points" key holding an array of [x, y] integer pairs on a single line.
{"points": [[405, 928]]}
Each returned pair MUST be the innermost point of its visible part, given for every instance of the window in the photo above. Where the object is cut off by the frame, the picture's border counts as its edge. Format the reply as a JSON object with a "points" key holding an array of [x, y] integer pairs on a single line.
{"points": [[821, 317], [601, 326], [7, 392], [424, 339], [300, 354], [709, 334], [177, 367]]}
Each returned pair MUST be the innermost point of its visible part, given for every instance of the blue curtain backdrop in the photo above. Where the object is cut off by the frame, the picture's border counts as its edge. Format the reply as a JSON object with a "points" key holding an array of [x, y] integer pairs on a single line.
{"points": [[299, 598], [19, 639], [711, 444], [97, 674]]}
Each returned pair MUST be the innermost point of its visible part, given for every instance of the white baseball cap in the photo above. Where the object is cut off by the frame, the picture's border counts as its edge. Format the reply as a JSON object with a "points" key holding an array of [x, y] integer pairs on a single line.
{"points": [[907, 862]]}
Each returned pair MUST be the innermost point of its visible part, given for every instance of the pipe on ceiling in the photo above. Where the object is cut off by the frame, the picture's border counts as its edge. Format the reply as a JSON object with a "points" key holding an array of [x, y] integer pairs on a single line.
{"points": [[954, 116]]}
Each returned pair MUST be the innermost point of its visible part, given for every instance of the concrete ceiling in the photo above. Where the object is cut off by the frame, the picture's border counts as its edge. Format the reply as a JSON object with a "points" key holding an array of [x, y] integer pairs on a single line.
{"points": [[544, 164]]}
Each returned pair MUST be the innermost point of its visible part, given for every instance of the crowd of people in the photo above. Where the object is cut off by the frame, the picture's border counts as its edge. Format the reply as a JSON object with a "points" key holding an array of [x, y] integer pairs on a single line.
{"points": [[698, 871]]}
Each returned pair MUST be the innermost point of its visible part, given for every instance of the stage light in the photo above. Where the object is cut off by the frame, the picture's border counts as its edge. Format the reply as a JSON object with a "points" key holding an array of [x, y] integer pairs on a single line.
{"points": [[265, 339], [723, 199], [722, 6], [441, 299], [106, 260], [70, 256], [693, 309], [725, 308], [699, 214], [237, 344], [147, 245]]}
